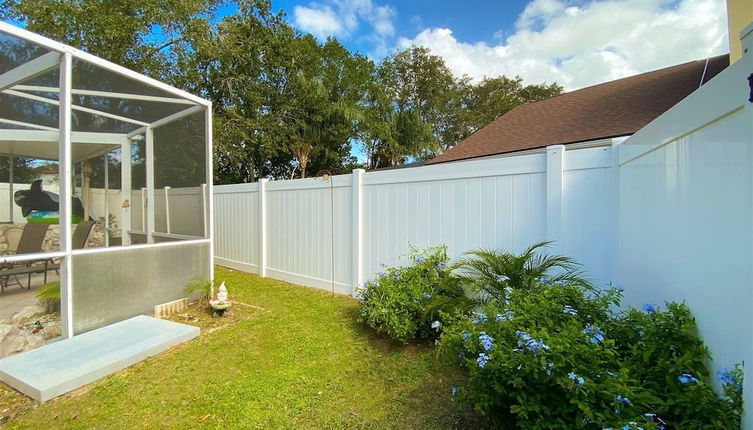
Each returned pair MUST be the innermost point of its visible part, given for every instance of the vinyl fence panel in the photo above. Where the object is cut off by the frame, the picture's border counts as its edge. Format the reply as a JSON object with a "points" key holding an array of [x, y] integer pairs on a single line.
{"points": [[364, 220]]}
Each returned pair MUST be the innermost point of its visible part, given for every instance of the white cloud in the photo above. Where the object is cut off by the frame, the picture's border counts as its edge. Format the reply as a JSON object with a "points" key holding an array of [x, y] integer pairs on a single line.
{"points": [[342, 18], [321, 22], [579, 43]]}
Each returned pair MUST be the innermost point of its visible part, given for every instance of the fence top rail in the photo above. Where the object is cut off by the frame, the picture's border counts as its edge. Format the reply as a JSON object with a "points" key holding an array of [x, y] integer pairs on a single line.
{"points": [[518, 165], [338, 181], [237, 188]]}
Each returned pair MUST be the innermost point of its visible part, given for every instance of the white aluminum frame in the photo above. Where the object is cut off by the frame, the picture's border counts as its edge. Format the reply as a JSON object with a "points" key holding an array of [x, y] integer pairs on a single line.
{"points": [[62, 56]]}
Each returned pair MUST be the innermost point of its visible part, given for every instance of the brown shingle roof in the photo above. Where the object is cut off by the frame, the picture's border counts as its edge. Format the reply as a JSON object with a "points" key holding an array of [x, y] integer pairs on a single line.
{"points": [[611, 109]]}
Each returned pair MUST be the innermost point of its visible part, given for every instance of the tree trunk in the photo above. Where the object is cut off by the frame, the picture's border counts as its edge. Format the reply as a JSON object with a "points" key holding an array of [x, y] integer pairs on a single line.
{"points": [[302, 163]]}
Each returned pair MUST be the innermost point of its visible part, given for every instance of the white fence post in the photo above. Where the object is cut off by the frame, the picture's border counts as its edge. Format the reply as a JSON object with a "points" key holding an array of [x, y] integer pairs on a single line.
{"points": [[262, 227], [167, 210], [555, 156], [615, 153], [357, 228]]}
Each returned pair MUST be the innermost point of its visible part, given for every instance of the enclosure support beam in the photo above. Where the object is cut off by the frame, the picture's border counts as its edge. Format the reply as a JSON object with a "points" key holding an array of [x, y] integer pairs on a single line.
{"points": [[26, 124], [149, 201], [176, 116], [30, 69], [11, 161], [74, 107], [125, 187], [108, 94], [64, 147], [263, 227], [167, 210], [357, 228], [107, 199], [209, 214], [555, 156]]}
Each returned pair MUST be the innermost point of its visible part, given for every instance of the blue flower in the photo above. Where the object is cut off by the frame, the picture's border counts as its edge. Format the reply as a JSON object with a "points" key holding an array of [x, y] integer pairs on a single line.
{"points": [[536, 345], [381, 273], [435, 324], [487, 342], [466, 336], [480, 318], [427, 296], [502, 278], [548, 368], [686, 379], [623, 400], [441, 265], [527, 342], [419, 259], [597, 335], [569, 310], [726, 377], [575, 378], [507, 316], [454, 390], [649, 308], [482, 360], [544, 280]]}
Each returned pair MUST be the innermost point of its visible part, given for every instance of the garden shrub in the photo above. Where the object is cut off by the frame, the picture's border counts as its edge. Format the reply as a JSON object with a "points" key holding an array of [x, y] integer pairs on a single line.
{"points": [[555, 356], [397, 301]]}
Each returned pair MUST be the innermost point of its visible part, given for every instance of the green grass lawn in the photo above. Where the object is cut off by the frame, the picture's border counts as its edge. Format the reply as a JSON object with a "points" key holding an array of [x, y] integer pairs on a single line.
{"points": [[296, 358]]}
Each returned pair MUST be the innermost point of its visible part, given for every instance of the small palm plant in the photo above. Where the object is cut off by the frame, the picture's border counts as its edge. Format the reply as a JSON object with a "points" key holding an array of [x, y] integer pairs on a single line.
{"points": [[486, 274], [49, 296], [199, 289]]}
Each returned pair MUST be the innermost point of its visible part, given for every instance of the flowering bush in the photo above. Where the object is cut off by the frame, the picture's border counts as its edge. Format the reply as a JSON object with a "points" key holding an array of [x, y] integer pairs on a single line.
{"points": [[398, 301], [555, 356]]}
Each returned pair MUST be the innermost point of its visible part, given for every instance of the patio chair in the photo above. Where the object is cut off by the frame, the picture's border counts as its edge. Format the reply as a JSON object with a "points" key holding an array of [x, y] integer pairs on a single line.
{"points": [[31, 241], [81, 234], [78, 241], [13, 236]]}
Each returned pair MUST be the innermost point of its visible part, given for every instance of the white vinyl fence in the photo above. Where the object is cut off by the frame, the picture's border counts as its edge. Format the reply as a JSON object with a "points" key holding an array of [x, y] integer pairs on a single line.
{"points": [[178, 211], [686, 215], [291, 230]]}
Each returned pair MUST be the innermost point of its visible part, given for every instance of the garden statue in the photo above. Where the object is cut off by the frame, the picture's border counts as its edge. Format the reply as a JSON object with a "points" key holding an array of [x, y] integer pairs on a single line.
{"points": [[220, 303]]}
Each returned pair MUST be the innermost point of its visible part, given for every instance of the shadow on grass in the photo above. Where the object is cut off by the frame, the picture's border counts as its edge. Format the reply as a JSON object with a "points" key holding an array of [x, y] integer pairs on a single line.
{"points": [[429, 404]]}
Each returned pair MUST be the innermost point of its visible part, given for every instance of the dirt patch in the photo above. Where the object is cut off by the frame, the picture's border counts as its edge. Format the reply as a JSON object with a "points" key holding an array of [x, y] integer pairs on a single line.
{"points": [[202, 316]]}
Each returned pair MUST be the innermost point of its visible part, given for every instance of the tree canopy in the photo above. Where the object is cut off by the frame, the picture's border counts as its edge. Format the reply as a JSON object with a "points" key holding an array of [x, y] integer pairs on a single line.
{"points": [[285, 104]]}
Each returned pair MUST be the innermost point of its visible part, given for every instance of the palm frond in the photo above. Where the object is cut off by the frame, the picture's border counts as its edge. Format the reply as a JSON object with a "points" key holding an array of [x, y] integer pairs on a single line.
{"points": [[487, 272]]}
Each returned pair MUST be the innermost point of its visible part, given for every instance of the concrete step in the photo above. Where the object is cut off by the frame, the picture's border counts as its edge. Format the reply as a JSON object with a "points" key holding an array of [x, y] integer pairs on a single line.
{"points": [[60, 367]]}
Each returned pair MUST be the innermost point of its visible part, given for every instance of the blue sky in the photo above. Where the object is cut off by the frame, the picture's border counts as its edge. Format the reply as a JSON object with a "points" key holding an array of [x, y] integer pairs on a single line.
{"points": [[574, 42], [472, 20]]}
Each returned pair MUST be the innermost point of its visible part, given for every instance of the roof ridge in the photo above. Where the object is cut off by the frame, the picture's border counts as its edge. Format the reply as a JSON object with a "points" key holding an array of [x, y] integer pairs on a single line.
{"points": [[622, 79]]}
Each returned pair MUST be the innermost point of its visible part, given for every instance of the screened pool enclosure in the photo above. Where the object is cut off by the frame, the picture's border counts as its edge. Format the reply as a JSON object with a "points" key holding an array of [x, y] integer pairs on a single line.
{"points": [[87, 144]]}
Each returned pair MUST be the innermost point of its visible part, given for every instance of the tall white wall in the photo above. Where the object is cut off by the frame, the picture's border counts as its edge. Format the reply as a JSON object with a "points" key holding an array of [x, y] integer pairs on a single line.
{"points": [[686, 215]]}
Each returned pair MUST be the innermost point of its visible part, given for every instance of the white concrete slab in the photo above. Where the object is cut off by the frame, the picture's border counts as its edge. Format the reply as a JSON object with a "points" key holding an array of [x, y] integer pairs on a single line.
{"points": [[57, 368]]}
